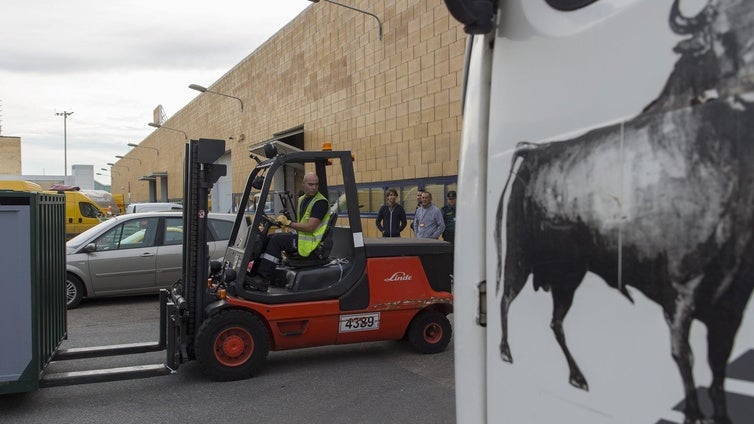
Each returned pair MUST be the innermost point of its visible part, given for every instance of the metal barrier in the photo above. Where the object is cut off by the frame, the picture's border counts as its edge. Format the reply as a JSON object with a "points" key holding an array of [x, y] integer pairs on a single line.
{"points": [[32, 308]]}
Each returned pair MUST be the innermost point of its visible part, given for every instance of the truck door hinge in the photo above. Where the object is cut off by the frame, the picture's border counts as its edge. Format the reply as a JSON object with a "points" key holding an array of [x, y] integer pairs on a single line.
{"points": [[481, 317]]}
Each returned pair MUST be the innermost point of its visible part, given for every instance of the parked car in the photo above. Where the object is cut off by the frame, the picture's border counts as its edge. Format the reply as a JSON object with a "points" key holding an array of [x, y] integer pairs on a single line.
{"points": [[153, 207], [134, 254]]}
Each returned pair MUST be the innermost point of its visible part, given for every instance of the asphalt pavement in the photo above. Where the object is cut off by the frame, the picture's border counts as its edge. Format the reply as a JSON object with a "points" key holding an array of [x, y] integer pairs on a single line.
{"points": [[378, 382]]}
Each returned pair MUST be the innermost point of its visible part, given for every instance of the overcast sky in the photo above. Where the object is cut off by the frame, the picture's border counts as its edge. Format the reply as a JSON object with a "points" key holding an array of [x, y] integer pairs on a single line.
{"points": [[111, 63]]}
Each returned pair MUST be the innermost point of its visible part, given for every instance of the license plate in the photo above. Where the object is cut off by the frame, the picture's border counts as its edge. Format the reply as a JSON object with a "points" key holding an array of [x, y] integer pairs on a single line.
{"points": [[359, 322]]}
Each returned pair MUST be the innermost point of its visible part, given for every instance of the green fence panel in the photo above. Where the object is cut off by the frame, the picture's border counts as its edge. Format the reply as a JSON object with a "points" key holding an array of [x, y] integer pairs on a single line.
{"points": [[32, 308]]}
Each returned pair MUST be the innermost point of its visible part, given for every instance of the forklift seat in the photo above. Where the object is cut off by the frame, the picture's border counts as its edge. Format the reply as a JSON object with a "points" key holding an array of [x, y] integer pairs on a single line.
{"points": [[317, 277]]}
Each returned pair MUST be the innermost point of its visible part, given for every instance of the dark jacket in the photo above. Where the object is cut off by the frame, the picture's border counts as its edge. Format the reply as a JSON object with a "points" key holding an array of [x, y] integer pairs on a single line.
{"points": [[449, 216], [391, 223]]}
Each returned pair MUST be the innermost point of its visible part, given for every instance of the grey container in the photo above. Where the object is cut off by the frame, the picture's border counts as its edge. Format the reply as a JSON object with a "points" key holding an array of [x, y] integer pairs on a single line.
{"points": [[32, 307]]}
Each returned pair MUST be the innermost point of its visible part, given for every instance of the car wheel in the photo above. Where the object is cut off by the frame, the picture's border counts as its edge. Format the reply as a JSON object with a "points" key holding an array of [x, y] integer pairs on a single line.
{"points": [[429, 332], [74, 291], [232, 345]]}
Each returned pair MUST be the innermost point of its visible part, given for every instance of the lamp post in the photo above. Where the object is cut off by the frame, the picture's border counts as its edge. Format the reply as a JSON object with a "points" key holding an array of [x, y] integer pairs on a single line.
{"points": [[123, 157], [122, 166], [65, 116], [145, 147], [158, 126], [379, 23], [201, 89], [110, 170]]}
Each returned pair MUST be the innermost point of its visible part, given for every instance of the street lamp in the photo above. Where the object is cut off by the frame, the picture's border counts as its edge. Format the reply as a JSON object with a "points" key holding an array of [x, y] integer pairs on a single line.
{"points": [[158, 126], [379, 23], [123, 166], [144, 147], [122, 157], [65, 116], [201, 89], [104, 175]]}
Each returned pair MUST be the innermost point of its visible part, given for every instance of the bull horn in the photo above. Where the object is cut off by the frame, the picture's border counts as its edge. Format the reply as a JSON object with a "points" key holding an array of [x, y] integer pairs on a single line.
{"points": [[683, 25]]}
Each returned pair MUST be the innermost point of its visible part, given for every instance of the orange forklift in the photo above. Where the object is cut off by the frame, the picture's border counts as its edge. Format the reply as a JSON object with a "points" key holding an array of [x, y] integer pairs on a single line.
{"points": [[350, 290]]}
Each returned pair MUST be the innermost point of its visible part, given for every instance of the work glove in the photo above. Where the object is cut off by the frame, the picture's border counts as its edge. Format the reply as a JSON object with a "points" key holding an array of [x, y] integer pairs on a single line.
{"points": [[283, 220]]}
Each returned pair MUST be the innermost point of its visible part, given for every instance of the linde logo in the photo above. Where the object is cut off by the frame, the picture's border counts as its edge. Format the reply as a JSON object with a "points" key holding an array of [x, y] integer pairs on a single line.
{"points": [[399, 276]]}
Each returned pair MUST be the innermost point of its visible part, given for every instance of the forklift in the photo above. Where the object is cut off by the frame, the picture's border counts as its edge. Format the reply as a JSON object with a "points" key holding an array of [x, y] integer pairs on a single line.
{"points": [[350, 290]]}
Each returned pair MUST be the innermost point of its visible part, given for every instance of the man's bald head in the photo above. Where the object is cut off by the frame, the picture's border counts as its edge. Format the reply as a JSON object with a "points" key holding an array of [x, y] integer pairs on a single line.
{"points": [[310, 184]]}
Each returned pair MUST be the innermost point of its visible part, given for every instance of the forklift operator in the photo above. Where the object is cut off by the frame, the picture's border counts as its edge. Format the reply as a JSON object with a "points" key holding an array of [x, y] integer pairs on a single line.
{"points": [[313, 216]]}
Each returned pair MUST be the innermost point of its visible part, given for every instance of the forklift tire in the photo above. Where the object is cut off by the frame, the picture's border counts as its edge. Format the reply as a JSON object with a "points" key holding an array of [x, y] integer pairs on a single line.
{"points": [[74, 291], [429, 332], [232, 345]]}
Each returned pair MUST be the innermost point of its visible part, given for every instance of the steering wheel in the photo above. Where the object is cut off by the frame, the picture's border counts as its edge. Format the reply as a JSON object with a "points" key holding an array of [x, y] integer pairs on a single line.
{"points": [[267, 222]]}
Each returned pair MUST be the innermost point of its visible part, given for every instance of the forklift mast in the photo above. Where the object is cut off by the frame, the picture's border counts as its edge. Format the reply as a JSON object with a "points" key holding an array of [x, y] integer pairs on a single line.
{"points": [[200, 173]]}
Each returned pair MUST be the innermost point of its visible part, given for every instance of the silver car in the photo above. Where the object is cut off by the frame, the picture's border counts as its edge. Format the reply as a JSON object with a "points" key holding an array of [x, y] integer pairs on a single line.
{"points": [[134, 254]]}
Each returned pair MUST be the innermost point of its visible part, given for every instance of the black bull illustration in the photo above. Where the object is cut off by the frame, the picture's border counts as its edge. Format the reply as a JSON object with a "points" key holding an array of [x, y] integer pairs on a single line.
{"points": [[663, 202]]}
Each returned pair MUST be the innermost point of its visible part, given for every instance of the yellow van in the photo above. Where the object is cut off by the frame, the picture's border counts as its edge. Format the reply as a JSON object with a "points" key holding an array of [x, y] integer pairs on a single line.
{"points": [[19, 185], [118, 199], [81, 213]]}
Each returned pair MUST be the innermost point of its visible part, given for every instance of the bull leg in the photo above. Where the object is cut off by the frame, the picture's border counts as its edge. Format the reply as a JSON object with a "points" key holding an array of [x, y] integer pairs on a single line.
{"points": [[722, 327], [562, 298], [721, 333], [720, 336], [514, 282], [679, 322]]}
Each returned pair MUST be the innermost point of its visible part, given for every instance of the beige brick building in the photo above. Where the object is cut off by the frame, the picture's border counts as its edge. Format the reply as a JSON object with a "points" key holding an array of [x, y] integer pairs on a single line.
{"points": [[10, 155], [326, 76]]}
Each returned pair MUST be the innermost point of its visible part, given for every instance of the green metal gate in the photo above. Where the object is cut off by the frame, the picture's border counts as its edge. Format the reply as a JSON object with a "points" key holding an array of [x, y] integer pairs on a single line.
{"points": [[32, 307]]}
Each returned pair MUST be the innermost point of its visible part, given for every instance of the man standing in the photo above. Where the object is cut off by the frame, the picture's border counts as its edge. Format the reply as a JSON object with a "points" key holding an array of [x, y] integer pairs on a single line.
{"points": [[428, 222], [419, 198], [391, 218], [418, 205], [313, 216], [449, 216]]}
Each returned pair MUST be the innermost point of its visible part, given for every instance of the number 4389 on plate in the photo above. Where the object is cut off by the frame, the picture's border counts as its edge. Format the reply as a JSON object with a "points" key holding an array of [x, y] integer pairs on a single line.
{"points": [[359, 322]]}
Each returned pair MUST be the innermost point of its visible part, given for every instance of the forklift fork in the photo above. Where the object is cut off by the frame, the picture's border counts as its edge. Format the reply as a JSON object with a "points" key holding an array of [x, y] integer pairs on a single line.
{"points": [[171, 325]]}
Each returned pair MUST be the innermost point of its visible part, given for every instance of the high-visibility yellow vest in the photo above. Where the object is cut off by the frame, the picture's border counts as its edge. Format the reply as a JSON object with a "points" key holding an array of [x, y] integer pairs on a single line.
{"points": [[307, 242]]}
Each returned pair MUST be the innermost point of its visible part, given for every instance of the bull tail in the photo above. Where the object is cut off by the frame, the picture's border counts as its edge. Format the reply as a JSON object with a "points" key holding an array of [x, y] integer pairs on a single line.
{"points": [[521, 149]]}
